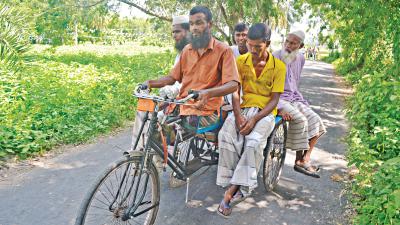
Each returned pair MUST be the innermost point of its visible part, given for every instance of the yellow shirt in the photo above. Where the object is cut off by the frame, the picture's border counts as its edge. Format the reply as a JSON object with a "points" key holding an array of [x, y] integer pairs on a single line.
{"points": [[257, 91]]}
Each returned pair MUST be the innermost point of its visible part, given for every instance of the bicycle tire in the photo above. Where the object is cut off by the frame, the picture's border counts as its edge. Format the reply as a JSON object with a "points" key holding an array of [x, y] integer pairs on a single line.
{"points": [[274, 156], [101, 181]]}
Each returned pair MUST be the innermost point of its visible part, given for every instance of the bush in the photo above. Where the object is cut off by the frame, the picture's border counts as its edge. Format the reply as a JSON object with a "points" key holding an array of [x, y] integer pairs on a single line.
{"points": [[379, 202], [56, 99], [334, 55], [374, 144], [370, 57], [375, 118]]}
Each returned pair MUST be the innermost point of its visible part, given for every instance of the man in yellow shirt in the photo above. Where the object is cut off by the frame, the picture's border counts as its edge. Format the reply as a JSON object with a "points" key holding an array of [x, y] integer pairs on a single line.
{"points": [[245, 132]]}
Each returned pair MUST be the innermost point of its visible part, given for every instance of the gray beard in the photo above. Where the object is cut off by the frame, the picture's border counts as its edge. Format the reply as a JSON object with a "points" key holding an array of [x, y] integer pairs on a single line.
{"points": [[181, 44], [201, 41], [289, 57]]}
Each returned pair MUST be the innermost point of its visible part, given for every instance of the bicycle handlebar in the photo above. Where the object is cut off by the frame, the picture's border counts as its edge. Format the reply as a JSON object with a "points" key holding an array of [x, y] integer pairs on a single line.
{"points": [[142, 91]]}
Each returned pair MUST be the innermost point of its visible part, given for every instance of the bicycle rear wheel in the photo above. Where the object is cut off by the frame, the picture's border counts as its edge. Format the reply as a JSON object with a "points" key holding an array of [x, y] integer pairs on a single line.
{"points": [[274, 156], [110, 198]]}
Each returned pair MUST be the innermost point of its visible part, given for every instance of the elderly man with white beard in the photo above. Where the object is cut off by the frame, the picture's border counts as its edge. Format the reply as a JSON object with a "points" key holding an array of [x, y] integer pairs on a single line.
{"points": [[305, 126]]}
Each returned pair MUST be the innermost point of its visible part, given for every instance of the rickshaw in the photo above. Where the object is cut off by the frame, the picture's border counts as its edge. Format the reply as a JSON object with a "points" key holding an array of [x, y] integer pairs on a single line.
{"points": [[128, 191]]}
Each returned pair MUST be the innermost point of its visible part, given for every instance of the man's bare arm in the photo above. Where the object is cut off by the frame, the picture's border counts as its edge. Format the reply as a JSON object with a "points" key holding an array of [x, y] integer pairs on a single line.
{"points": [[205, 95], [236, 102], [240, 120], [251, 122], [161, 82], [222, 90]]}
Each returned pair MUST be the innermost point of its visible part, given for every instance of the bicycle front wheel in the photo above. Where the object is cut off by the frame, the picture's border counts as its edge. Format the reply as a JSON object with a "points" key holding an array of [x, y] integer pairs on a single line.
{"points": [[123, 194]]}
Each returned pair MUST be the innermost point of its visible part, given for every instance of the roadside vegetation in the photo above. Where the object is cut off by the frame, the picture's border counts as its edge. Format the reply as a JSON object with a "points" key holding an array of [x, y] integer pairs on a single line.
{"points": [[54, 93], [369, 35], [67, 98]]}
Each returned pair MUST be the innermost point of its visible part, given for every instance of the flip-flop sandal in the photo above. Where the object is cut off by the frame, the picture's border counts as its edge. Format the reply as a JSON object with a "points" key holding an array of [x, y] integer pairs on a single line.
{"points": [[304, 169], [237, 198], [224, 207]]}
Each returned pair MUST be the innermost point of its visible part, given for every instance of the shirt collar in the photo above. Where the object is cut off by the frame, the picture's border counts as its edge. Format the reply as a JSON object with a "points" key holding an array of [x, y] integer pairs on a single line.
{"points": [[269, 65]]}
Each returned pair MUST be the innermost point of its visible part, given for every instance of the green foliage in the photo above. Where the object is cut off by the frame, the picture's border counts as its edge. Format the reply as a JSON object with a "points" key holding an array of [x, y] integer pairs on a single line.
{"points": [[375, 118], [56, 99], [334, 55], [13, 36], [226, 13], [62, 21], [383, 202], [368, 34]]}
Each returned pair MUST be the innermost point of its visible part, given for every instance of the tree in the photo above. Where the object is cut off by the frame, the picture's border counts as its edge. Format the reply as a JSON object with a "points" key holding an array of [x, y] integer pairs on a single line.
{"points": [[13, 35], [226, 13]]}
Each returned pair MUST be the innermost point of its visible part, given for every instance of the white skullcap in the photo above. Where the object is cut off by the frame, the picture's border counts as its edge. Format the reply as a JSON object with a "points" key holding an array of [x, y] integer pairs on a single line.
{"points": [[180, 19], [300, 34]]}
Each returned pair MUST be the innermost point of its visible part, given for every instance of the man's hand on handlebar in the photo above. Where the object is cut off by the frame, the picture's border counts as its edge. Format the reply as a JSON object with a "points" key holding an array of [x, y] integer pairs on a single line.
{"points": [[144, 85], [202, 99]]}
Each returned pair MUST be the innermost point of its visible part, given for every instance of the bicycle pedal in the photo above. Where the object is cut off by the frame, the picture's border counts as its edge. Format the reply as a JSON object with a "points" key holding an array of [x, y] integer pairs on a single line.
{"points": [[175, 182]]}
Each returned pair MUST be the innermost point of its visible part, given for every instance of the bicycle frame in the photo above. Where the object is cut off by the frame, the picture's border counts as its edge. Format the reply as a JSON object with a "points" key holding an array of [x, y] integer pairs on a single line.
{"points": [[151, 144], [148, 154]]}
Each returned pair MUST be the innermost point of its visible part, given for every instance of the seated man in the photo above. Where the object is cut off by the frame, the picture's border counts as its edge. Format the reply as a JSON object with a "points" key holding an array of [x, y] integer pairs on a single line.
{"points": [[240, 38], [207, 66], [305, 126], [180, 33], [245, 132]]}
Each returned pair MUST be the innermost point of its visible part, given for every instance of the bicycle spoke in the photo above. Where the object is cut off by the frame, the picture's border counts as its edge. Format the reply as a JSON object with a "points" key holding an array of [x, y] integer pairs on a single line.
{"points": [[102, 201], [117, 190], [126, 183], [109, 202]]}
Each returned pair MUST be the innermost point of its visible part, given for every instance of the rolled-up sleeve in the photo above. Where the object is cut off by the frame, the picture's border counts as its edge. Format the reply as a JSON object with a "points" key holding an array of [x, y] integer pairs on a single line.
{"points": [[176, 72]]}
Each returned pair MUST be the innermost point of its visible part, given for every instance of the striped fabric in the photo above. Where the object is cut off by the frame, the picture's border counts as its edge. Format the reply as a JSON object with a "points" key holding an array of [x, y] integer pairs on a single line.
{"points": [[305, 125], [240, 157], [193, 123]]}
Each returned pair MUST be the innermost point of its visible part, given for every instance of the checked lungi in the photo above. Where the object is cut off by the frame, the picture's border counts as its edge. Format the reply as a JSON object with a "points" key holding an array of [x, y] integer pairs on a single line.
{"points": [[240, 157], [304, 125]]}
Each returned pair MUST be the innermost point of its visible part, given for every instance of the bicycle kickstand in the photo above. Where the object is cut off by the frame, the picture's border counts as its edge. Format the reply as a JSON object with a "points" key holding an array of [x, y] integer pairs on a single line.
{"points": [[187, 190]]}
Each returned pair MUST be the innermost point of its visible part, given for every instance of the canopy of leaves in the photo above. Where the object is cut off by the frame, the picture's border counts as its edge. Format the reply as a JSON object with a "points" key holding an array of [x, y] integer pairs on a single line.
{"points": [[225, 13], [13, 35]]}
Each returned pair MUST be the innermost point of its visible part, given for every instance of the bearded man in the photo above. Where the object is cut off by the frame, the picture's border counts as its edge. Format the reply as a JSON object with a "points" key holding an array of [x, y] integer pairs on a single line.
{"points": [[180, 33], [205, 65], [305, 126], [181, 36]]}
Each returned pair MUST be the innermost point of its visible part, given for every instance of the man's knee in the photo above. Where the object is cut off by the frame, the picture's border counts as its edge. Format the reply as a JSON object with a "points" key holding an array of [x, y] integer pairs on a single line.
{"points": [[300, 119]]}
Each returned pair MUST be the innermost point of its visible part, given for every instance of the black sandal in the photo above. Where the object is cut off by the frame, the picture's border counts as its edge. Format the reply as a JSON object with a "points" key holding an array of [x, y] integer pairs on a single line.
{"points": [[305, 169]]}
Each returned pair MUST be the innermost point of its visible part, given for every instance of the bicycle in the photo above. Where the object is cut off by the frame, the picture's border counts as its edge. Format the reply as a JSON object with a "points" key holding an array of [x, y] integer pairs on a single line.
{"points": [[134, 192]]}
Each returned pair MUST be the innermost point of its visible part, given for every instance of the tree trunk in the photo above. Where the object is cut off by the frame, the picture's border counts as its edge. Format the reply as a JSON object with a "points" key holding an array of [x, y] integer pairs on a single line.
{"points": [[75, 32]]}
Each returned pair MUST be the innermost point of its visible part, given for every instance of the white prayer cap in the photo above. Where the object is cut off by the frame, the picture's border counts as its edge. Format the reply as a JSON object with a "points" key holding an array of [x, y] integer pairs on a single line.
{"points": [[300, 34], [180, 19]]}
